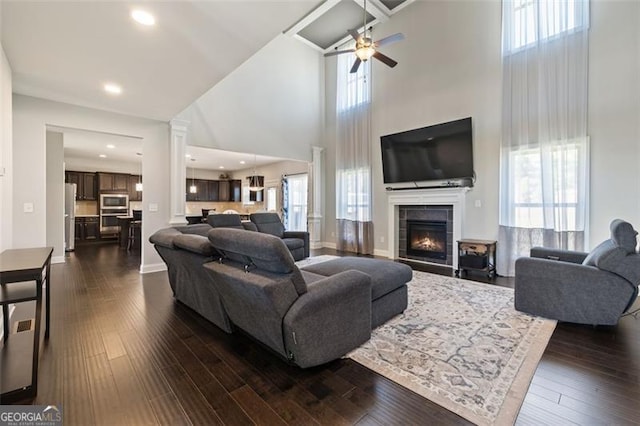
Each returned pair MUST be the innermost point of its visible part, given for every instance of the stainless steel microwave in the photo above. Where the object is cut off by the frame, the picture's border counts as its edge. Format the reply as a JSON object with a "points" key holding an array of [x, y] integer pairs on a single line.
{"points": [[114, 201]]}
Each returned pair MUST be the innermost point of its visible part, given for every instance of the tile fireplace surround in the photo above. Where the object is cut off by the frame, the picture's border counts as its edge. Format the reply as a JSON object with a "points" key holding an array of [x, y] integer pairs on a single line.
{"points": [[454, 197]]}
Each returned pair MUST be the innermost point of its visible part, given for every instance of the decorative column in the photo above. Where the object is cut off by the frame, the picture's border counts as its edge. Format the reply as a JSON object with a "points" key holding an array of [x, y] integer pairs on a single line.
{"points": [[179, 131], [315, 209]]}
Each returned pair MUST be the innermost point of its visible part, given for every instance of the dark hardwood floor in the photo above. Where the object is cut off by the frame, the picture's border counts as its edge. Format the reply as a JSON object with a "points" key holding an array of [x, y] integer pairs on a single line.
{"points": [[123, 352]]}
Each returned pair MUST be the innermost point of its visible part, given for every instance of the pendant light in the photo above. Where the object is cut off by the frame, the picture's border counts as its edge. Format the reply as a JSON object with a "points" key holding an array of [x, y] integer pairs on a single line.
{"points": [[256, 182], [193, 188], [139, 184]]}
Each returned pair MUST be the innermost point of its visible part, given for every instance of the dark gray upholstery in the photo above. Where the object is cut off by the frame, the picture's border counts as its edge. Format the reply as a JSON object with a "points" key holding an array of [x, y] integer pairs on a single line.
{"points": [[387, 278], [309, 316], [185, 249], [296, 241], [593, 289], [229, 221]]}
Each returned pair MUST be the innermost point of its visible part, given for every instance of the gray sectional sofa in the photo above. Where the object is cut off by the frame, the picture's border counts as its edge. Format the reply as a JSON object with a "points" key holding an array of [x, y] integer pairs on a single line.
{"points": [[249, 280]]}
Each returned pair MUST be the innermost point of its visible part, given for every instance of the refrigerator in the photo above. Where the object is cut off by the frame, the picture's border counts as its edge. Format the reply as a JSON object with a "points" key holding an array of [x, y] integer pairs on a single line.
{"points": [[69, 216]]}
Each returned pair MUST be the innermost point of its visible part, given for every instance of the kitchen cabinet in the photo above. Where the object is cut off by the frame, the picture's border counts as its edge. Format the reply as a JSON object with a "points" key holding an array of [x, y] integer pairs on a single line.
{"points": [[113, 182], [87, 228], [85, 185], [214, 190], [133, 194]]}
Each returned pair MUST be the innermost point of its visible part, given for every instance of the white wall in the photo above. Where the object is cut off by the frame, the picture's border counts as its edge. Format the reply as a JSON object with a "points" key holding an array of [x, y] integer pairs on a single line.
{"points": [[30, 118], [78, 164], [273, 171], [6, 154], [450, 67], [55, 194], [270, 105]]}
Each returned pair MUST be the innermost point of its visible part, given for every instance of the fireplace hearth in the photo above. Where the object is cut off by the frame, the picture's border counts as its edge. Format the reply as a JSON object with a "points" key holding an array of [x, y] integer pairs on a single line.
{"points": [[427, 239]]}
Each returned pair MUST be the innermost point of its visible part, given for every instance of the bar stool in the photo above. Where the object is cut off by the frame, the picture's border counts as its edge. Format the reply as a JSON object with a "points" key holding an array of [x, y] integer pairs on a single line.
{"points": [[134, 225]]}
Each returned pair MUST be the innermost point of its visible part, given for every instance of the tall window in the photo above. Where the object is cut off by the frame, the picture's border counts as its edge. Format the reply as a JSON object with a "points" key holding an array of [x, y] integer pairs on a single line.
{"points": [[544, 156], [353, 157], [296, 202], [533, 21]]}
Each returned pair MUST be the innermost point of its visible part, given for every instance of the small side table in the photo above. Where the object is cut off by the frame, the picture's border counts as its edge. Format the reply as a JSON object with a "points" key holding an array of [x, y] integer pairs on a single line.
{"points": [[477, 255], [23, 272]]}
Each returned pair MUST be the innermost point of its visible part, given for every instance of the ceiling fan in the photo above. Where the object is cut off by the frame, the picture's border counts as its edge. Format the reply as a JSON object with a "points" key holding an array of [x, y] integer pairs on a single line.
{"points": [[366, 48]]}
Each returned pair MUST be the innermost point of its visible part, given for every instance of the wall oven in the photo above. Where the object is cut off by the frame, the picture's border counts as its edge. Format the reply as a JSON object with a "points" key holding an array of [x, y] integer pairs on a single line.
{"points": [[112, 206]]}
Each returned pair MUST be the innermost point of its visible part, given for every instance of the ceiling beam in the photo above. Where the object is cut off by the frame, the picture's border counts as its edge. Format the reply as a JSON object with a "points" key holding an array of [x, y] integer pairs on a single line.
{"points": [[312, 16]]}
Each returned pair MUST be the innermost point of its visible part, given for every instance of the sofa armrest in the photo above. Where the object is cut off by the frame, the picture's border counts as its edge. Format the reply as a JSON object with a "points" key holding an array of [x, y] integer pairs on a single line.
{"points": [[330, 320], [303, 235], [570, 292], [561, 255]]}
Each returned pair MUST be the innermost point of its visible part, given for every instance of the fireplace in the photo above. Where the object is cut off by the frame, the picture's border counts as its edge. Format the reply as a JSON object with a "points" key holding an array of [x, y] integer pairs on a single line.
{"points": [[427, 238]]}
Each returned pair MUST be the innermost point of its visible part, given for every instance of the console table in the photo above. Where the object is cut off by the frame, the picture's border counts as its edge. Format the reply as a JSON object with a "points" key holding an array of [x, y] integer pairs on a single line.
{"points": [[23, 272]]}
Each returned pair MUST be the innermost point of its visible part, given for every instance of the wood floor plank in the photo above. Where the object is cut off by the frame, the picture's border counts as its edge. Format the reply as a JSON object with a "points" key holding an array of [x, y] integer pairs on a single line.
{"points": [[123, 351]]}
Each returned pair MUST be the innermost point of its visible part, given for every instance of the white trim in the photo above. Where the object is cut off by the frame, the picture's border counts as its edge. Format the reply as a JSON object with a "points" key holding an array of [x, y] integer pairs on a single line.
{"points": [[329, 245], [58, 259], [381, 253], [423, 197], [309, 43], [311, 17], [154, 267]]}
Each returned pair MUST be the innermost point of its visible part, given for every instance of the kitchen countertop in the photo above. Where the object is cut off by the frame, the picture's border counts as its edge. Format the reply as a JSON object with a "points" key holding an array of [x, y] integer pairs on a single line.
{"points": [[87, 215]]}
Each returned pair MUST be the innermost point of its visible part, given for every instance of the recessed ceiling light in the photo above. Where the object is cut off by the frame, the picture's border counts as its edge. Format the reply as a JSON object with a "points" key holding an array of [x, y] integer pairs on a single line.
{"points": [[110, 146], [187, 155], [242, 162], [221, 167], [143, 17], [112, 88], [102, 156]]}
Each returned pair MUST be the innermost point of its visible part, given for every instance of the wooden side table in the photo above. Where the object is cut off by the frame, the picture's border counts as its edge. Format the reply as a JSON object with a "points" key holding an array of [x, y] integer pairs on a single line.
{"points": [[23, 273], [477, 255]]}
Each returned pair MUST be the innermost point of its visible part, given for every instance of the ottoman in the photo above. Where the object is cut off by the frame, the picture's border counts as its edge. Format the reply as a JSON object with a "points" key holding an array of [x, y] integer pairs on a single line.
{"points": [[388, 283]]}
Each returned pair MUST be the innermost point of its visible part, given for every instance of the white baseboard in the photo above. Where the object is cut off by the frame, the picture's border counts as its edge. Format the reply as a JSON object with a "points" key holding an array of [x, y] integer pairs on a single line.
{"points": [[57, 259], [154, 267], [381, 253], [316, 245], [11, 309], [329, 245]]}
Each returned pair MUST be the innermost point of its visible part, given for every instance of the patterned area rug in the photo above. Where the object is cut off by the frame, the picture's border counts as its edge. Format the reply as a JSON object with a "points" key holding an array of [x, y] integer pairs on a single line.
{"points": [[461, 345]]}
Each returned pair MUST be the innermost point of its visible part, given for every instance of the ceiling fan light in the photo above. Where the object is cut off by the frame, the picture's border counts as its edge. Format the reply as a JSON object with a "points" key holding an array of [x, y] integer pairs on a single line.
{"points": [[364, 53]]}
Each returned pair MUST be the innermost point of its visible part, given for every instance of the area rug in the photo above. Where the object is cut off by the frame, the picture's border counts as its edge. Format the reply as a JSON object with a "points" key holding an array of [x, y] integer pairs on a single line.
{"points": [[461, 345]]}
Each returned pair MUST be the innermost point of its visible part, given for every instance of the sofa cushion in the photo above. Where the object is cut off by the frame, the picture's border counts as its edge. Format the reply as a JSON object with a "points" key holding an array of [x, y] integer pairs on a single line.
{"points": [[386, 275], [164, 237], [623, 234], [293, 243], [194, 243], [268, 223], [199, 229], [599, 251], [225, 221], [264, 251]]}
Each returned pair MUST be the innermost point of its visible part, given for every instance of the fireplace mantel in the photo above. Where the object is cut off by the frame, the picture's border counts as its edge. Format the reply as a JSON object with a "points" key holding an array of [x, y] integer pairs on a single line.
{"points": [[425, 197]]}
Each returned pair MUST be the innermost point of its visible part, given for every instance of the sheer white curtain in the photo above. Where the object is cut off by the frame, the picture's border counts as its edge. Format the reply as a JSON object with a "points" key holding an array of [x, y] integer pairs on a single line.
{"points": [[353, 158], [296, 203], [544, 155]]}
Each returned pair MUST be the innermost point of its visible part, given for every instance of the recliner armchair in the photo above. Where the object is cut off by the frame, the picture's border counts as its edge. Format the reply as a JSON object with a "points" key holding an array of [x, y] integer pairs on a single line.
{"points": [[296, 241], [594, 288]]}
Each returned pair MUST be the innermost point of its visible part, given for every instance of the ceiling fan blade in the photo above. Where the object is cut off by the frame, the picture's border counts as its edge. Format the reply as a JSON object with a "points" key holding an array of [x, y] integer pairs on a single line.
{"points": [[354, 34], [387, 60], [390, 39], [355, 66], [339, 52]]}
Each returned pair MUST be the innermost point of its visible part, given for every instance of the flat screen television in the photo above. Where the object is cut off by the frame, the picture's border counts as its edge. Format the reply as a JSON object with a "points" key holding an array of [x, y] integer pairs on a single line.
{"points": [[439, 155]]}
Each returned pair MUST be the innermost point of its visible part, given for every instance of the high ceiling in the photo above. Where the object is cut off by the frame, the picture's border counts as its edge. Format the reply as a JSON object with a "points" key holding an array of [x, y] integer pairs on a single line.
{"points": [[67, 50]]}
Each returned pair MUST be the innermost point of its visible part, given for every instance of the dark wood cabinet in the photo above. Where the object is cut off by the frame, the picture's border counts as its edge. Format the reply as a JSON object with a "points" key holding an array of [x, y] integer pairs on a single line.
{"points": [[113, 182], [235, 193], [256, 196], [87, 228], [134, 195], [213, 190], [223, 190], [85, 185]]}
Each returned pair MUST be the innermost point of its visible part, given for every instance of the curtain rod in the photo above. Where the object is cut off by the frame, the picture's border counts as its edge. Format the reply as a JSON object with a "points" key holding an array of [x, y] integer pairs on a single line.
{"points": [[296, 174]]}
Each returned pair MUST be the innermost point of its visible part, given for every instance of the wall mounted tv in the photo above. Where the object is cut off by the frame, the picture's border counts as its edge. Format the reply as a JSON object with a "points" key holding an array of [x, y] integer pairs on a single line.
{"points": [[433, 156]]}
